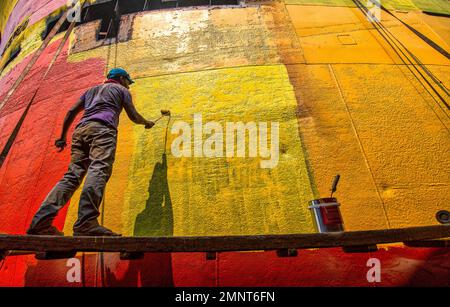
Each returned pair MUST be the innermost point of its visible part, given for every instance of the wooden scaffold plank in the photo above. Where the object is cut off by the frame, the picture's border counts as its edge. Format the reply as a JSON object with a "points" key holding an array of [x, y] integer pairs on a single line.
{"points": [[222, 243]]}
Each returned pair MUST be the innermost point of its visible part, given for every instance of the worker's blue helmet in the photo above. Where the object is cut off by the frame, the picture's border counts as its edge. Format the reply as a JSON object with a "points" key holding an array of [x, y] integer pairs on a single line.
{"points": [[119, 72]]}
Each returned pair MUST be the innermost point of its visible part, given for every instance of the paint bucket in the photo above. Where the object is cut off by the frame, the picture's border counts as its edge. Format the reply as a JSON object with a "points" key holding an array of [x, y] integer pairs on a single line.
{"points": [[326, 215]]}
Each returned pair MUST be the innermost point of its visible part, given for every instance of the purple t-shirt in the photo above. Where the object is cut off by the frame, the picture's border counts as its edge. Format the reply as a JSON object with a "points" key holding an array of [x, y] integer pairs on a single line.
{"points": [[105, 103]]}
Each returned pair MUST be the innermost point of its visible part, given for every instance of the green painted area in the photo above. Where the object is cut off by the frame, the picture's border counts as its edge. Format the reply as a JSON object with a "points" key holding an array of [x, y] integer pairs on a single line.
{"points": [[406, 5], [435, 6], [216, 195]]}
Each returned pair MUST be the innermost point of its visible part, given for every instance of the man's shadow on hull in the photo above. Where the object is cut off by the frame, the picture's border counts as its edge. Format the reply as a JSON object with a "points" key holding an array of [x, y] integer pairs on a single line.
{"points": [[155, 220], [157, 217], [155, 269]]}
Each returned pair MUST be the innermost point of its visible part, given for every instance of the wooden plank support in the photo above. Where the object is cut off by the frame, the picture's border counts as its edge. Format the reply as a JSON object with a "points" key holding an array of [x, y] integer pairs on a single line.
{"points": [[131, 255], [20, 253], [222, 243], [211, 256], [3, 254], [360, 249], [287, 252], [428, 243], [51, 255], [39, 255]]}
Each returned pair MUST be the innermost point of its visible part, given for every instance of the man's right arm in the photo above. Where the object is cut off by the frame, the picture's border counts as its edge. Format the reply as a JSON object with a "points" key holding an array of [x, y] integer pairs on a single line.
{"points": [[133, 114], [61, 143]]}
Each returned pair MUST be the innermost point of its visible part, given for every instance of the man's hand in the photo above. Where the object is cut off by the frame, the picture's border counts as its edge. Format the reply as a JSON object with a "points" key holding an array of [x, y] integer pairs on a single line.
{"points": [[149, 124], [61, 144]]}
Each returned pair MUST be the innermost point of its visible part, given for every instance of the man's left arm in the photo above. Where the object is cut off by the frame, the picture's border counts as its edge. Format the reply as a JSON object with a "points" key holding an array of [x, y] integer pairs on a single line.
{"points": [[61, 143]]}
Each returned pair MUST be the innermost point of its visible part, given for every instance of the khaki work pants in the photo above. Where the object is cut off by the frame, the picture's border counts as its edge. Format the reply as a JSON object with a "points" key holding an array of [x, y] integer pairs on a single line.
{"points": [[92, 155]]}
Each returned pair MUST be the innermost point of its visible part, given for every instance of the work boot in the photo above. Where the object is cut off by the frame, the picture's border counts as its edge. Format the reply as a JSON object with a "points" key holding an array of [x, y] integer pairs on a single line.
{"points": [[46, 231], [95, 231]]}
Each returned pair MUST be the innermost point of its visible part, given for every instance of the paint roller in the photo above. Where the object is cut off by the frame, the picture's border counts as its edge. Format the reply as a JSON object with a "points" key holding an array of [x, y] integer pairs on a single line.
{"points": [[163, 114]]}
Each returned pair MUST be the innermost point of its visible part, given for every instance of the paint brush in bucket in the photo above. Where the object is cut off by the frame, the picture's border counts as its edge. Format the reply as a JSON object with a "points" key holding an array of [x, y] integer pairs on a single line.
{"points": [[325, 212], [335, 183]]}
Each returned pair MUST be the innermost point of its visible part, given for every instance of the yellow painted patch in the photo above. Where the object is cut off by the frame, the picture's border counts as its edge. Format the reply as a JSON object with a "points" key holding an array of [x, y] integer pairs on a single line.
{"points": [[6, 8], [388, 141], [405, 138], [333, 148], [211, 196], [29, 40]]}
